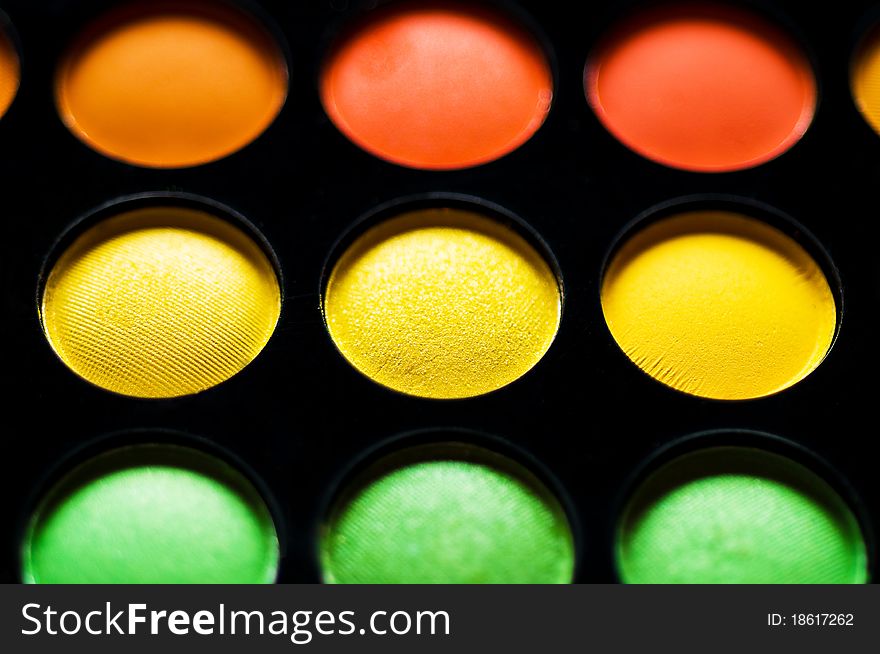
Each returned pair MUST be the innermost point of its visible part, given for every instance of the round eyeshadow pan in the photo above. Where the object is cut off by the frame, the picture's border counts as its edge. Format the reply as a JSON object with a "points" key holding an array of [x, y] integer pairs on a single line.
{"points": [[10, 71], [437, 85], [172, 84], [719, 305], [739, 515], [160, 302], [442, 303], [865, 78], [151, 514], [702, 87], [447, 515]]}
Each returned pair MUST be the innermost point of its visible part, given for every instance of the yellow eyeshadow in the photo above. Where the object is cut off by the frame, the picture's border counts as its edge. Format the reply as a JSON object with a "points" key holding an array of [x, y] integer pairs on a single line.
{"points": [[160, 302], [865, 80], [719, 305], [442, 303]]}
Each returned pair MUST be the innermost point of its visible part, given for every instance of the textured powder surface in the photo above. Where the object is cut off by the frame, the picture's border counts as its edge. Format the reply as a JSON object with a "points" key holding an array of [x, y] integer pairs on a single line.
{"points": [[160, 302], [737, 515], [172, 84], [10, 73], [448, 521], [866, 80], [437, 85], [719, 305], [703, 87], [442, 303], [152, 514]]}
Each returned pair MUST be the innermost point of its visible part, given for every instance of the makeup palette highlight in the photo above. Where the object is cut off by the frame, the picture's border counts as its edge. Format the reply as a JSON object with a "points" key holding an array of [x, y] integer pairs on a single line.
{"points": [[435, 291]]}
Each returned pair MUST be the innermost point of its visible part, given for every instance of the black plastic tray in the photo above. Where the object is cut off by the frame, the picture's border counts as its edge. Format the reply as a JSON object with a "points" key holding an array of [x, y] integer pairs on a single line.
{"points": [[299, 417]]}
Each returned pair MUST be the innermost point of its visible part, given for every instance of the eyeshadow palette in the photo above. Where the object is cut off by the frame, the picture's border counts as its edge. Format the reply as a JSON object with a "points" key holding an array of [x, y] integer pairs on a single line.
{"points": [[434, 291]]}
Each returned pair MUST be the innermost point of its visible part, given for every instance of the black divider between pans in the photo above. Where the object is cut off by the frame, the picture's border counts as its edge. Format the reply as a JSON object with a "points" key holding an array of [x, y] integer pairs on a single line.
{"points": [[300, 415]]}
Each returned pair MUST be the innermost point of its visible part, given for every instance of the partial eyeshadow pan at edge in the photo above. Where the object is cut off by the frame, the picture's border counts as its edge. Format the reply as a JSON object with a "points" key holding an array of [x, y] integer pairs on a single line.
{"points": [[10, 71], [865, 78]]}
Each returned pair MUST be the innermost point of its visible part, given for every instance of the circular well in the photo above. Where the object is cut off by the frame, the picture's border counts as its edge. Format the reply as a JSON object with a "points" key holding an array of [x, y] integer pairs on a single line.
{"points": [[437, 85], [442, 303], [151, 514], [160, 301], [172, 84], [738, 515], [702, 87], [448, 513], [718, 304]]}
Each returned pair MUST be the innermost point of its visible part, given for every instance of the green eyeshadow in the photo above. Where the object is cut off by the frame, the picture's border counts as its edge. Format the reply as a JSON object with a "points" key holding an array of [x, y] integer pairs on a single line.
{"points": [[739, 515], [447, 514], [151, 514]]}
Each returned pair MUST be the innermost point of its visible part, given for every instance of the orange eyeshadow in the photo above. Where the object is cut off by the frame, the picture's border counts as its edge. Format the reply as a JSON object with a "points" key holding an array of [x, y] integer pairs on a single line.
{"points": [[169, 85], [437, 85], [702, 87], [10, 73]]}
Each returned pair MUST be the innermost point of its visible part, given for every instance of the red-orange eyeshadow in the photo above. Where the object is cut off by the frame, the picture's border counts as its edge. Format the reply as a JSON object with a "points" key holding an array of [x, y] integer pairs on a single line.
{"points": [[702, 87], [437, 85]]}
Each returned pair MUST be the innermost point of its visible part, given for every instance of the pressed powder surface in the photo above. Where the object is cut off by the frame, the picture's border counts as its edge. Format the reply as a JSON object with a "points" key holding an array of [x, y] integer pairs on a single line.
{"points": [[865, 79], [738, 515], [702, 87], [10, 72], [442, 303], [160, 302], [151, 514], [437, 85], [719, 305], [449, 519], [169, 85]]}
